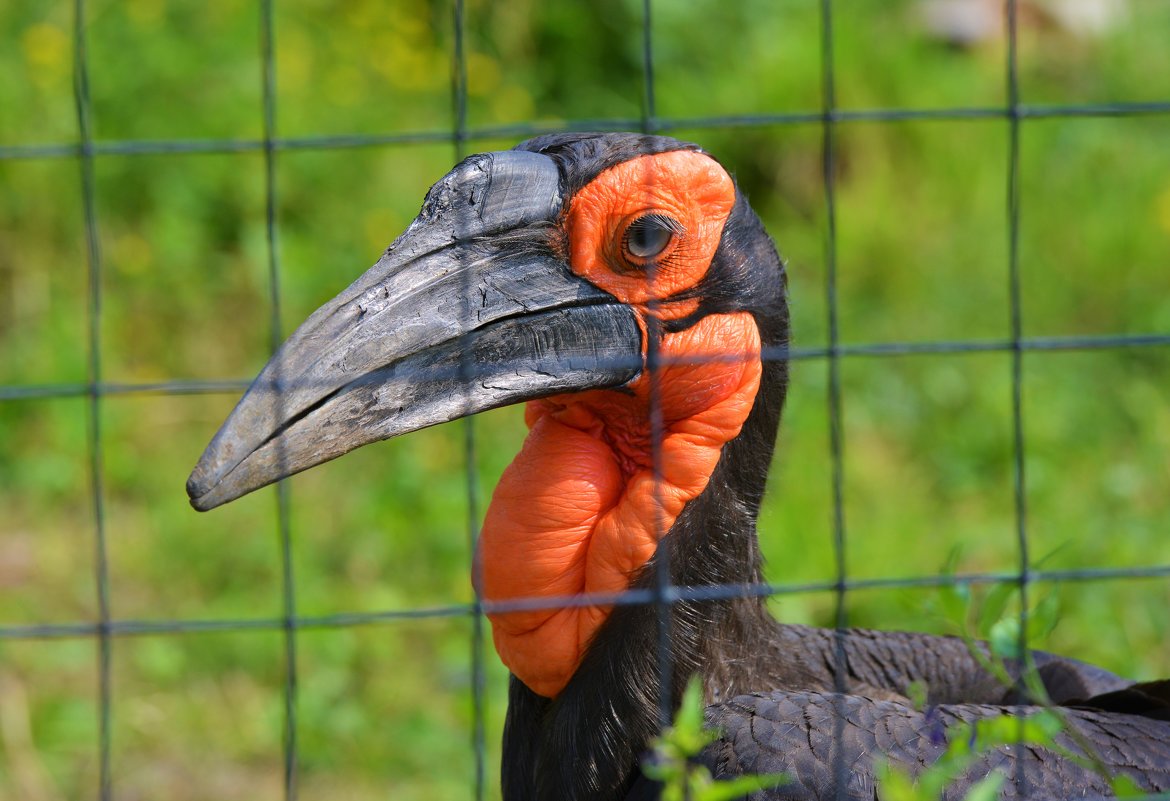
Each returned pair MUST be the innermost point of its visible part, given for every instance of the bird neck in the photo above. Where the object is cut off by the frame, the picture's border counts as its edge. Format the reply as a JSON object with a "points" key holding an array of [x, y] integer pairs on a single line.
{"points": [[582, 508], [610, 709]]}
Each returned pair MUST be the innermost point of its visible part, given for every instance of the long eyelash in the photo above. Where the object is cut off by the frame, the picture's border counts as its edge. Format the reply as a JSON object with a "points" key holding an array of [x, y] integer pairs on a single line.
{"points": [[683, 249], [677, 254], [663, 221]]}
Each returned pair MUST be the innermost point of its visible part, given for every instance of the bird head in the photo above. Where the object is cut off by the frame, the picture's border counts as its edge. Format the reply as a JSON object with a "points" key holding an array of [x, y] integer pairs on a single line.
{"points": [[618, 283]]}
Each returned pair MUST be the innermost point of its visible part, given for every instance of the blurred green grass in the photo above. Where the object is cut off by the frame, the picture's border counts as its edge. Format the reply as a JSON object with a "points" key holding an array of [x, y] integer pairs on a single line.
{"points": [[922, 255]]}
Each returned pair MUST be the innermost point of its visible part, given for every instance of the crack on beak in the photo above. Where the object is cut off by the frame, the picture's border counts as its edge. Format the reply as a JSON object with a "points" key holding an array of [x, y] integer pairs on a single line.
{"points": [[301, 415]]}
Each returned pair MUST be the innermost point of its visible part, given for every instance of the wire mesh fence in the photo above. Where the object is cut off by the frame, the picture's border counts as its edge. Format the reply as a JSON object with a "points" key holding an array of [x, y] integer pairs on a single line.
{"points": [[829, 119]]}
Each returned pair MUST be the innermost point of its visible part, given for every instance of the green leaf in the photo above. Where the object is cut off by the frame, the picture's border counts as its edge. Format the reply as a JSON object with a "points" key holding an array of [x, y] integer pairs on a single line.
{"points": [[739, 787], [918, 691], [987, 788], [1040, 728], [932, 781], [689, 717], [1033, 683], [896, 785], [1125, 787], [959, 741], [1043, 618], [955, 600], [683, 741], [1004, 638], [662, 771], [992, 609]]}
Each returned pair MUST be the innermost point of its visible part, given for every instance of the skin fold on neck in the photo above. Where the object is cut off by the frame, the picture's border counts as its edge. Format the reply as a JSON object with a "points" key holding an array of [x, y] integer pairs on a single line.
{"points": [[579, 510]]}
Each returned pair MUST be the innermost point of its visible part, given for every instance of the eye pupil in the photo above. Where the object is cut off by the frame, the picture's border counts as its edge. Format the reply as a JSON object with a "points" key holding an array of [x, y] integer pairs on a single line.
{"points": [[647, 237]]}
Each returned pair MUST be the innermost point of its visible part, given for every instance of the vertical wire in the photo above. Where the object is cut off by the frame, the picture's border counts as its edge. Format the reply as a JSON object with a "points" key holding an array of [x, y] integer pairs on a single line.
{"points": [[81, 100], [459, 84], [836, 445], [288, 589], [649, 109], [664, 595], [470, 456], [1019, 485], [833, 397], [663, 591]]}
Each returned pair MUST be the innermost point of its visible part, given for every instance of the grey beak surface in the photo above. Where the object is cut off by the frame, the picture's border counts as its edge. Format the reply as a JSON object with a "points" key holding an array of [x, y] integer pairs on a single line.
{"points": [[470, 309]]}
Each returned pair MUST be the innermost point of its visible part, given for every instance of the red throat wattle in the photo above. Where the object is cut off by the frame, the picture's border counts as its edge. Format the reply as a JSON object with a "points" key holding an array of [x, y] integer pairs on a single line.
{"points": [[578, 511]]}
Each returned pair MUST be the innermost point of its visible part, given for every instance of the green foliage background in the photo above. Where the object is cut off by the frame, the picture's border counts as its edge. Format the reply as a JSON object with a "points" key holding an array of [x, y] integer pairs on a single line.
{"points": [[385, 709]]}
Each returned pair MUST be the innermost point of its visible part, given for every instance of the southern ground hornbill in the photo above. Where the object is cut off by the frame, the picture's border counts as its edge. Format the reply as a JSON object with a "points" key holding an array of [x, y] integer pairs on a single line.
{"points": [[622, 286]]}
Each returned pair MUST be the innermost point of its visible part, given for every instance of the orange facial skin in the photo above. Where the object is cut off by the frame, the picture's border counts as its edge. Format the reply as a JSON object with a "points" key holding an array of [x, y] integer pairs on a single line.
{"points": [[579, 510], [691, 188]]}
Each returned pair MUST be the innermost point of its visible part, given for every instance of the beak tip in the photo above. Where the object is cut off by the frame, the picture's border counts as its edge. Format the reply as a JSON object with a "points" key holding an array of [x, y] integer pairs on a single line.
{"points": [[204, 503], [198, 488]]}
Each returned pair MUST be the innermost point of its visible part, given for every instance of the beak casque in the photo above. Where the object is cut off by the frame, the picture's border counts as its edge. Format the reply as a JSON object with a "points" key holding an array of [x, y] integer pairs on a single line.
{"points": [[470, 309]]}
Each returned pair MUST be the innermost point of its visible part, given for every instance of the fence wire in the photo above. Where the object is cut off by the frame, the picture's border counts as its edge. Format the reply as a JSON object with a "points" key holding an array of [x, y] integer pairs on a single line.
{"points": [[663, 594]]}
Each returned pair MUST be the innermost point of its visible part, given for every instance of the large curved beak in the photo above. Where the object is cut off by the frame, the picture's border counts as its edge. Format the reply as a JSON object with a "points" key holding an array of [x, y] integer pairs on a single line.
{"points": [[470, 309]]}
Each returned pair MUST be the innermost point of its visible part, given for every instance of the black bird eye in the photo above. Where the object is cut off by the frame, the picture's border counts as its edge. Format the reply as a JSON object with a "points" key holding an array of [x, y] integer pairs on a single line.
{"points": [[646, 237]]}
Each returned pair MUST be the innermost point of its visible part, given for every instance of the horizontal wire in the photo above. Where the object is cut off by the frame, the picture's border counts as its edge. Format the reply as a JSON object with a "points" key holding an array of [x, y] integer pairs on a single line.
{"points": [[176, 387], [139, 147], [636, 597], [215, 386]]}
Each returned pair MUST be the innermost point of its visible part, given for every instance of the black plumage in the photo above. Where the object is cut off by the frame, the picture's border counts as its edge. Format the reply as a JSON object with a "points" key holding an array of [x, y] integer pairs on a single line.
{"points": [[807, 734]]}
